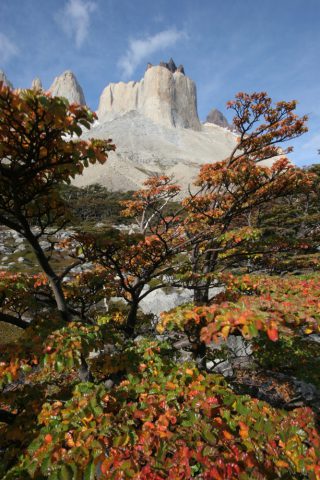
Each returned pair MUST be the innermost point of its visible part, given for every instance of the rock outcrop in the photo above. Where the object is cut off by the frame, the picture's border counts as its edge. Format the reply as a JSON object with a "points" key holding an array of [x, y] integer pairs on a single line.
{"points": [[66, 85], [165, 95], [217, 117], [4, 79], [36, 84]]}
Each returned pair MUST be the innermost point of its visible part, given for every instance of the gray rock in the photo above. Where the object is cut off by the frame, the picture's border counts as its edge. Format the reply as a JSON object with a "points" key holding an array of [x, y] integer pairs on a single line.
{"points": [[171, 66], [45, 245], [109, 384], [217, 117]]}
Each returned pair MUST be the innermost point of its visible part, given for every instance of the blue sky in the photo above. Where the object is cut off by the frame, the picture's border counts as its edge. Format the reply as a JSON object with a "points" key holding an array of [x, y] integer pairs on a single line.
{"points": [[225, 46]]}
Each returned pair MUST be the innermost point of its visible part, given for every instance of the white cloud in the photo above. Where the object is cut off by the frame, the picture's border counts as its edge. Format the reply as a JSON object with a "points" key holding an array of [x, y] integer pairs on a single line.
{"points": [[74, 19], [141, 49], [7, 48]]}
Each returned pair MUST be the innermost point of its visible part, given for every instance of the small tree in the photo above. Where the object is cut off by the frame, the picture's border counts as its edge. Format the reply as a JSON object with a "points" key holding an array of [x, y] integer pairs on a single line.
{"points": [[141, 261], [39, 151], [233, 189]]}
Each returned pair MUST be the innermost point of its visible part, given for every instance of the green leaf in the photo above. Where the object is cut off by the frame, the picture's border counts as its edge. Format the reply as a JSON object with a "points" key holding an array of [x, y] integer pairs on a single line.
{"points": [[66, 473], [90, 471], [45, 465], [208, 436]]}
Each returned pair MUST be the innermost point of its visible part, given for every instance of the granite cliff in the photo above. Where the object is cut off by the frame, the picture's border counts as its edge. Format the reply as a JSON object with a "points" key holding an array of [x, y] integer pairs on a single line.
{"points": [[165, 95]]}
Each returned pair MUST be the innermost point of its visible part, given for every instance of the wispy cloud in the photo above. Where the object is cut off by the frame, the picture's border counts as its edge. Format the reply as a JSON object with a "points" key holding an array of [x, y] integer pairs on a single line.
{"points": [[139, 49], [74, 19], [7, 48]]}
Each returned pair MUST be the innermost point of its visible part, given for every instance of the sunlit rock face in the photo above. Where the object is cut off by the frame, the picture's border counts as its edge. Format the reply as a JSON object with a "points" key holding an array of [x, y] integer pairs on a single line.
{"points": [[66, 85], [36, 84], [165, 95]]}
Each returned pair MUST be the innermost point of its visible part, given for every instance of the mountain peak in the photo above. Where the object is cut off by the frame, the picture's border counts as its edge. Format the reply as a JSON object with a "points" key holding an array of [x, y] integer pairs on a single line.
{"points": [[66, 85], [171, 66], [216, 117]]}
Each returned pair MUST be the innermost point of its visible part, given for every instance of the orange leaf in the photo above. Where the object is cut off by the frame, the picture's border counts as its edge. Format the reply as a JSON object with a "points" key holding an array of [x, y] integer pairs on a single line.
{"points": [[227, 435], [48, 438], [273, 334], [171, 386]]}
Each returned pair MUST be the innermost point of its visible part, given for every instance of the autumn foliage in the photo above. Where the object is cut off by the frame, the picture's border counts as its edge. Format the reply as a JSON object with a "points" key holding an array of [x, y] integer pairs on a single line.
{"points": [[88, 392]]}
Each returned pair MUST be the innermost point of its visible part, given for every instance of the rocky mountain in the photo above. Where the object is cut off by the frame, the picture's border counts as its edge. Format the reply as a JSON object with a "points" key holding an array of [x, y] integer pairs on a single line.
{"points": [[155, 126], [217, 118], [4, 79], [165, 95], [66, 85]]}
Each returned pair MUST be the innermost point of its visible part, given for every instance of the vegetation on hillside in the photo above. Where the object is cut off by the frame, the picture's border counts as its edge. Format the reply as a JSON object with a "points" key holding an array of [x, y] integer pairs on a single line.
{"points": [[90, 394]]}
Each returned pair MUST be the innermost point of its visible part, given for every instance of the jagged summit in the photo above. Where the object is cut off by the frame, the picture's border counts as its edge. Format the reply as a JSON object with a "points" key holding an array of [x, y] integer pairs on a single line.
{"points": [[66, 85], [171, 66], [165, 95], [36, 84], [217, 117], [4, 79]]}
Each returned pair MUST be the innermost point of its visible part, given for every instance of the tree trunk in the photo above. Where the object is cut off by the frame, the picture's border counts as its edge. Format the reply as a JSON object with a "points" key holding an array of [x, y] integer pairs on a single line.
{"points": [[201, 295], [132, 318], [200, 351], [53, 278], [4, 317]]}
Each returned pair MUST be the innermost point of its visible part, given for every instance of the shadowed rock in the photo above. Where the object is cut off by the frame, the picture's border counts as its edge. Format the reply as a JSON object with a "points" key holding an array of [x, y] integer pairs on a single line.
{"points": [[217, 117], [171, 66]]}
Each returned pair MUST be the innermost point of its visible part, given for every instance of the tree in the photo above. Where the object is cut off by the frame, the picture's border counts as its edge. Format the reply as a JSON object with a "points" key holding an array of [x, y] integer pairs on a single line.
{"points": [[140, 262], [202, 236], [292, 225], [39, 151], [231, 190]]}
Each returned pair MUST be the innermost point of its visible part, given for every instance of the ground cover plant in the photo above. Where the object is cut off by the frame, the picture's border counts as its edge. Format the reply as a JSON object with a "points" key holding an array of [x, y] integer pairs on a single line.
{"points": [[87, 393]]}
